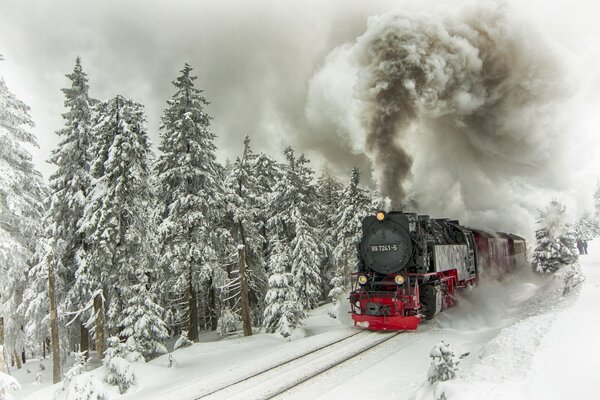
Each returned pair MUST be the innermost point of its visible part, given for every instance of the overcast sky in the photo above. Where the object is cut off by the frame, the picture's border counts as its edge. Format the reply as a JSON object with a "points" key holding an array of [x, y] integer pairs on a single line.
{"points": [[254, 59]]}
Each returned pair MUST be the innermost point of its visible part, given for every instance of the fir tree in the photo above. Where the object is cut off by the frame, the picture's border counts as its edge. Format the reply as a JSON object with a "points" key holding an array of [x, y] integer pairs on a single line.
{"points": [[119, 356], [294, 210], [283, 311], [246, 208], [555, 240], [586, 227], [21, 208], [70, 186], [142, 319], [354, 205], [190, 196], [329, 197], [116, 218]]}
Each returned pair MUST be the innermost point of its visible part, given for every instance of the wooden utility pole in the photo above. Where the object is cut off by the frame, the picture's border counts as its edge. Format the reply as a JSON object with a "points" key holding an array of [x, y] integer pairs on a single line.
{"points": [[244, 291], [53, 320]]}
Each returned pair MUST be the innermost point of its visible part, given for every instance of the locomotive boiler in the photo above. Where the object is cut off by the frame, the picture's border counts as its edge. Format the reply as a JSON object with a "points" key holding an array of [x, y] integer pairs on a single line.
{"points": [[411, 265]]}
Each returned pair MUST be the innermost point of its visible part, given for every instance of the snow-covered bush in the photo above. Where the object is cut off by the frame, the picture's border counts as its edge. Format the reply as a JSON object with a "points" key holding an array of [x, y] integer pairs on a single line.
{"points": [[444, 364], [335, 294], [555, 240], [183, 341], [118, 358], [228, 322], [80, 387], [7, 383]]}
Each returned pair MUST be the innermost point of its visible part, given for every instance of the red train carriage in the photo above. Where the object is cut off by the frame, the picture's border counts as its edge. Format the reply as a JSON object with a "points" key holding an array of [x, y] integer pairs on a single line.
{"points": [[410, 266]]}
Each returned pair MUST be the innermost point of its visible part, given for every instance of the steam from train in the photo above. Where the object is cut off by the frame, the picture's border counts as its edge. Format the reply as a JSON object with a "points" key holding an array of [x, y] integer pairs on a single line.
{"points": [[458, 110]]}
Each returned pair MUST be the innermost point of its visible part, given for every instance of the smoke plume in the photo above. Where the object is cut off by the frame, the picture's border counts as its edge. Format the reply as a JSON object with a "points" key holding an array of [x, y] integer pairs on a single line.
{"points": [[458, 110]]}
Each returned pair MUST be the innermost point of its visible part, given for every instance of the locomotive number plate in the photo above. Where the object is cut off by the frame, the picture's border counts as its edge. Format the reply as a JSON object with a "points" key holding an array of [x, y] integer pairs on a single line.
{"points": [[383, 248]]}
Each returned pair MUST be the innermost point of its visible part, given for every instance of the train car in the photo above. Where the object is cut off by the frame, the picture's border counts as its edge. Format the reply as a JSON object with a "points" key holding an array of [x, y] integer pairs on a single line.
{"points": [[411, 265]]}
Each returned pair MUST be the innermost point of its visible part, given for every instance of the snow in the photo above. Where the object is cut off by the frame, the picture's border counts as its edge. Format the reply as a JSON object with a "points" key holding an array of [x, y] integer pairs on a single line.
{"points": [[521, 344]]}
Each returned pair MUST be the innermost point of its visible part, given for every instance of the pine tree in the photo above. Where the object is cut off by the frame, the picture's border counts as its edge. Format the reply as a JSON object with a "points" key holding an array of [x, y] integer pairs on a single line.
{"points": [[283, 311], [586, 227], [120, 253], [294, 210], [353, 207], [142, 319], [70, 186], [555, 240], [190, 195], [306, 260], [119, 356], [329, 192], [246, 208], [21, 208]]}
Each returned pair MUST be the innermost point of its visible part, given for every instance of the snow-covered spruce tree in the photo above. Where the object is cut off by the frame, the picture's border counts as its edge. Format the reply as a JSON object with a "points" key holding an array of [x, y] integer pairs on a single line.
{"points": [[142, 318], [294, 212], [354, 205], [189, 194], [246, 199], [329, 197], [555, 240], [21, 208], [283, 311], [117, 223], [586, 227], [70, 185], [119, 356]]}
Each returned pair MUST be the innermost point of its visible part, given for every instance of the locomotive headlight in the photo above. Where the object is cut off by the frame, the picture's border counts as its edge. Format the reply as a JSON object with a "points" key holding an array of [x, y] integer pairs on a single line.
{"points": [[362, 279], [399, 279], [380, 216]]}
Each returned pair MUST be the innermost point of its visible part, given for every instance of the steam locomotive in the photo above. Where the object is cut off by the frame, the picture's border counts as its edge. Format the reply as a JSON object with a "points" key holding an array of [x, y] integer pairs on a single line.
{"points": [[410, 267]]}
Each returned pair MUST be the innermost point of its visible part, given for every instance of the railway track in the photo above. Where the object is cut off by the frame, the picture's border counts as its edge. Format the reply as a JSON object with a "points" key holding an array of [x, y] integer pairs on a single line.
{"points": [[288, 375], [209, 393]]}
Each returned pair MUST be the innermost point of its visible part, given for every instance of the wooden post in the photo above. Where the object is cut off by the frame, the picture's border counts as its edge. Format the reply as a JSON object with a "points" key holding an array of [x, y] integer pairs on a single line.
{"points": [[53, 320], [244, 291]]}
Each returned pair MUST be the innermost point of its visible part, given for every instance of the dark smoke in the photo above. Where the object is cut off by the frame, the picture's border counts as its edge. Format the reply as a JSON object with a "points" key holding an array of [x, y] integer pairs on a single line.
{"points": [[477, 80]]}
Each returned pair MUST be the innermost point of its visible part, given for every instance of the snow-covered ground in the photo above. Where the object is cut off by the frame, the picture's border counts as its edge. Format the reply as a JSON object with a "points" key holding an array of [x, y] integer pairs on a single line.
{"points": [[526, 340]]}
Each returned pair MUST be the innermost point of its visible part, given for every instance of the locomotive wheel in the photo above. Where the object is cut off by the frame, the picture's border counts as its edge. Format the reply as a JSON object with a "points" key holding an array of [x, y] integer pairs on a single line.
{"points": [[428, 300]]}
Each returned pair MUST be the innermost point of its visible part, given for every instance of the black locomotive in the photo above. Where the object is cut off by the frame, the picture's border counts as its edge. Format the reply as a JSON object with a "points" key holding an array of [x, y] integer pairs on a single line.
{"points": [[410, 265]]}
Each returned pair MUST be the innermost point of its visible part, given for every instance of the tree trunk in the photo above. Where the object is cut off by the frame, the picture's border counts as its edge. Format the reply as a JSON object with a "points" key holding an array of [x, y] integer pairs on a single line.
{"points": [[99, 312], [244, 292], [84, 340], [193, 310], [53, 321], [212, 307], [2, 345], [17, 360]]}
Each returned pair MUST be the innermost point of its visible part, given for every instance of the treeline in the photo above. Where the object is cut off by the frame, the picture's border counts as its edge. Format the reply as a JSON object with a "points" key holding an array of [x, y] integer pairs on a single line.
{"points": [[145, 245]]}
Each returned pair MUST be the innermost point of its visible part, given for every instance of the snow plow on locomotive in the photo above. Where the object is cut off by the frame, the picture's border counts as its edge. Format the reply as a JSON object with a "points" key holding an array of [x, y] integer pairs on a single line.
{"points": [[410, 267]]}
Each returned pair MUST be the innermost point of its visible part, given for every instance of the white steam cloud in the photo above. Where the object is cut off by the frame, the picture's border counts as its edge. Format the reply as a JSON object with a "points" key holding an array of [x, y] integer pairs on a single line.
{"points": [[459, 112]]}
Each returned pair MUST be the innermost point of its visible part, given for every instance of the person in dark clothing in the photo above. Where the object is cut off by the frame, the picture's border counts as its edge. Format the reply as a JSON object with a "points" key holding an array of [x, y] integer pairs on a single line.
{"points": [[584, 247], [580, 246]]}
